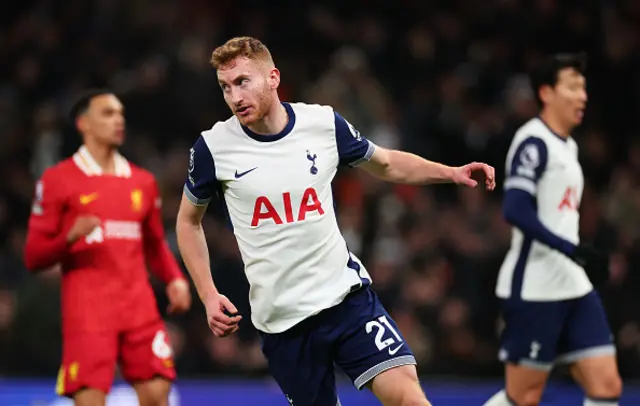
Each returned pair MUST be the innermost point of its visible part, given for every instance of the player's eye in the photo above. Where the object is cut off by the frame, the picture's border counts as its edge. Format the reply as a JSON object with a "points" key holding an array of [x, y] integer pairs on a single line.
{"points": [[224, 87], [244, 81]]}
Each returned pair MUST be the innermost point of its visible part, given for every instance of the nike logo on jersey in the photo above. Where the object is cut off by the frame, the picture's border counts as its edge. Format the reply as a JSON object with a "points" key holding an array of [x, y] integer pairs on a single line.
{"points": [[241, 174], [86, 199], [394, 350]]}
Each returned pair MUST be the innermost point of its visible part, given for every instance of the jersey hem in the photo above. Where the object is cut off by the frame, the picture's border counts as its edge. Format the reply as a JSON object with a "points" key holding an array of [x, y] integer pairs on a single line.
{"points": [[261, 327], [546, 299], [571, 357]]}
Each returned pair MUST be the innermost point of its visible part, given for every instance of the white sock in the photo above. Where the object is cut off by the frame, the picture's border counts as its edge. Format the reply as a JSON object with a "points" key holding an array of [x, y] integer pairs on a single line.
{"points": [[600, 402], [501, 399]]}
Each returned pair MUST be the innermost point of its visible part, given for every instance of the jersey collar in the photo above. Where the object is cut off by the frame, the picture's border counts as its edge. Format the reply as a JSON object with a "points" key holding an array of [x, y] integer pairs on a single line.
{"points": [[88, 165], [274, 137], [560, 137]]}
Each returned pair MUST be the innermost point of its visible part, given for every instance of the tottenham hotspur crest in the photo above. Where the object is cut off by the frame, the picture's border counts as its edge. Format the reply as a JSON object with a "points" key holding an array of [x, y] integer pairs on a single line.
{"points": [[312, 158]]}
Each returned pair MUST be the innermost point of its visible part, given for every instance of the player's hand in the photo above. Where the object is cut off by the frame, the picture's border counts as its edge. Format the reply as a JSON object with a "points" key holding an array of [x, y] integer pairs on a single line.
{"points": [[218, 307], [179, 296], [82, 227], [464, 175], [594, 262]]}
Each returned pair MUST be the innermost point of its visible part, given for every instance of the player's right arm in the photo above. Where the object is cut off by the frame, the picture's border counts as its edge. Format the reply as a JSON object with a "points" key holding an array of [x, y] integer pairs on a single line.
{"points": [[47, 242], [199, 189], [527, 166], [192, 244]]}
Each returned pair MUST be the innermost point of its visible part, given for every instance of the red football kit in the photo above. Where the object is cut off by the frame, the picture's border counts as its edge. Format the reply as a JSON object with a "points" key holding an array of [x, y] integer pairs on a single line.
{"points": [[109, 312]]}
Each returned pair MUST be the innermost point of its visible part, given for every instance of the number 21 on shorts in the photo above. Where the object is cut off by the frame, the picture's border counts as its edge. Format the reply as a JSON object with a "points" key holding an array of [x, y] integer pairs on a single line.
{"points": [[381, 325]]}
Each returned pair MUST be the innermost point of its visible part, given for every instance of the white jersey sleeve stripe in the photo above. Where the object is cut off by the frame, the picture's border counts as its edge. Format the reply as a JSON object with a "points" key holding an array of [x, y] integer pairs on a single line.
{"points": [[195, 200], [367, 156]]}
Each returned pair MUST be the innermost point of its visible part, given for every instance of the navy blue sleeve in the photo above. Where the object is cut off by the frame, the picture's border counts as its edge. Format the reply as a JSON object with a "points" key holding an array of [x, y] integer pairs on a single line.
{"points": [[527, 166], [521, 187], [520, 210], [353, 148], [201, 185]]}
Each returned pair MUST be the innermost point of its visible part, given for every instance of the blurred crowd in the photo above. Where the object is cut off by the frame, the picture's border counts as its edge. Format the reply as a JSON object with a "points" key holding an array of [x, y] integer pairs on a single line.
{"points": [[443, 79]]}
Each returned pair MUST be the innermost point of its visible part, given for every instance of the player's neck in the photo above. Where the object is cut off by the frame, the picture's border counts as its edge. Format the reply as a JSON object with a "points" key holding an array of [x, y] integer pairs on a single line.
{"points": [[103, 155], [555, 124], [273, 122]]}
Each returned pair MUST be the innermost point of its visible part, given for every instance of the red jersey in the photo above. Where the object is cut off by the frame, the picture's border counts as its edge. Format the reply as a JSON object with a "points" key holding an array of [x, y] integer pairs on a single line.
{"points": [[105, 285]]}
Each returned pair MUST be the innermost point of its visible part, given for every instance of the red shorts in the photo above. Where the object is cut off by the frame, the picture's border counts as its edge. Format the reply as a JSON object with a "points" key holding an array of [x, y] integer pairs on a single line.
{"points": [[89, 359]]}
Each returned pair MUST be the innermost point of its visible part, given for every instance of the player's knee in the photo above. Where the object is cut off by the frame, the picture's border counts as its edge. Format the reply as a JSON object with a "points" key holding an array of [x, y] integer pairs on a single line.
{"points": [[608, 386], [89, 397], [409, 398], [153, 399], [154, 392], [399, 387], [530, 397], [415, 400]]}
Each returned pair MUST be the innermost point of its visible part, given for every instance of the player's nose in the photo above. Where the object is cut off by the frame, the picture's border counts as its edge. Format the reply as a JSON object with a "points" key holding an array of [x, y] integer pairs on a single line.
{"points": [[583, 96], [236, 97]]}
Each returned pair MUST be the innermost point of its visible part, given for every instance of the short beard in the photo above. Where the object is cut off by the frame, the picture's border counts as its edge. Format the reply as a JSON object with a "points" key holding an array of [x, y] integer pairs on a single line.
{"points": [[262, 108]]}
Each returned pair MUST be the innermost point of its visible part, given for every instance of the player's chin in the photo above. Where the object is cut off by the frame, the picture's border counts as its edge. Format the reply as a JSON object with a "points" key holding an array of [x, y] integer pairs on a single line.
{"points": [[578, 117], [116, 140], [246, 120], [249, 116]]}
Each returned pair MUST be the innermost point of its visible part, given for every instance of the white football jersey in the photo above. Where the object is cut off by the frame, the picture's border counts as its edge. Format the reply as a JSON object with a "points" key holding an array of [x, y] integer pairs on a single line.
{"points": [[546, 166], [277, 189]]}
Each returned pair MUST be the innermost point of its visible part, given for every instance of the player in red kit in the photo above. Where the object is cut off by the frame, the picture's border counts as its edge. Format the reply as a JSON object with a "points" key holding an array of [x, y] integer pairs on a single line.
{"points": [[98, 216]]}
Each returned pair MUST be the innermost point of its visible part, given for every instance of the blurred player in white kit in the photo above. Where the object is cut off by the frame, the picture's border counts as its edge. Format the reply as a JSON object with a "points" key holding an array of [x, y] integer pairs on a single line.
{"points": [[552, 313], [272, 163]]}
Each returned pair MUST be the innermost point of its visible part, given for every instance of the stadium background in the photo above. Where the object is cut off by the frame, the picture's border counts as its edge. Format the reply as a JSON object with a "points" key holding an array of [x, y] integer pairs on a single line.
{"points": [[444, 79]]}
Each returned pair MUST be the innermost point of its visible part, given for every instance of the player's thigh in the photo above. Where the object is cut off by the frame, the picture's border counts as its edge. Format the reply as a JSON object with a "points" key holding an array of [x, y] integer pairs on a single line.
{"points": [[146, 353], [300, 361], [153, 392], [88, 363], [370, 342], [398, 386], [529, 341], [587, 344]]}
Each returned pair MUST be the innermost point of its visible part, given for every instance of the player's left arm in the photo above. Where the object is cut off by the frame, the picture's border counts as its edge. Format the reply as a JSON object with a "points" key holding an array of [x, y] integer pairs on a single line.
{"points": [[399, 166], [161, 260]]}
